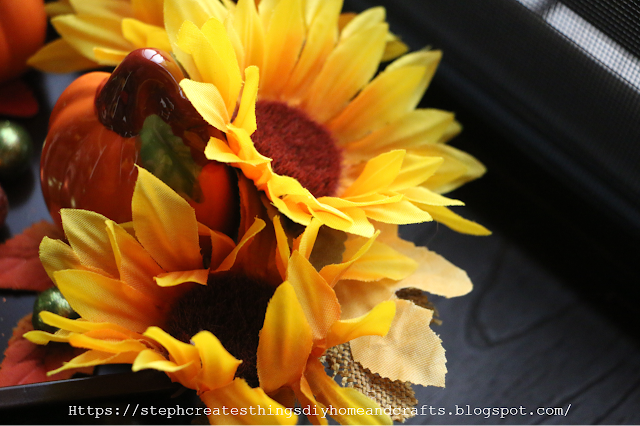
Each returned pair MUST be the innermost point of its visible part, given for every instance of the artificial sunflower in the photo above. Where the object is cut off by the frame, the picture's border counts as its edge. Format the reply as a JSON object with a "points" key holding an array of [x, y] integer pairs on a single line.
{"points": [[291, 84], [147, 296]]}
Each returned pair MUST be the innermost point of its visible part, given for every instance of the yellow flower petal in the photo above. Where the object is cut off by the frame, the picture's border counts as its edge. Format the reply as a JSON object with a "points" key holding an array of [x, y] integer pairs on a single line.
{"points": [[172, 279], [102, 8], [375, 322], [141, 34], [87, 235], [249, 29], [59, 56], [246, 117], [284, 39], [458, 168], [320, 40], [135, 265], [55, 255], [455, 221], [106, 56], [83, 32], [230, 260], [237, 403], [414, 129], [357, 408], [165, 224], [410, 352], [416, 169], [152, 360], [378, 262], [42, 337], [101, 299], [208, 101], [382, 101], [82, 326], [316, 297], [150, 11], [378, 174], [347, 69], [403, 213], [218, 365], [354, 24], [93, 358], [214, 57], [285, 341], [420, 195], [103, 345], [183, 355]]}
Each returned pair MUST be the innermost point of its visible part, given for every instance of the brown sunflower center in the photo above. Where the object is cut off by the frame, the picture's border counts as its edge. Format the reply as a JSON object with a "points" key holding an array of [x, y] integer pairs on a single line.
{"points": [[299, 147], [232, 306]]}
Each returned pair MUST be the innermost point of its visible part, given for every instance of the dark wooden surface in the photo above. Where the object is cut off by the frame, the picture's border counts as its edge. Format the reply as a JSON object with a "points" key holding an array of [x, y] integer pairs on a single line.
{"points": [[552, 320]]}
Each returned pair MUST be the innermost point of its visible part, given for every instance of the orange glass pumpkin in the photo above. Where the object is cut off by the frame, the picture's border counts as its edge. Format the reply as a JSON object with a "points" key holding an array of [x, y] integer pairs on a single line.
{"points": [[100, 125], [23, 26]]}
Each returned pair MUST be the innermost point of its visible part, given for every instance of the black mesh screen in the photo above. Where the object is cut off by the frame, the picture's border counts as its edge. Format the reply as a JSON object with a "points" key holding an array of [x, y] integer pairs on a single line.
{"points": [[559, 79], [618, 19]]}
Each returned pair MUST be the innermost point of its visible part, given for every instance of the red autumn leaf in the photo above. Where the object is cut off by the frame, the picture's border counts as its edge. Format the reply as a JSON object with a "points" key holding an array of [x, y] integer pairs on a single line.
{"points": [[20, 267], [17, 100], [25, 362]]}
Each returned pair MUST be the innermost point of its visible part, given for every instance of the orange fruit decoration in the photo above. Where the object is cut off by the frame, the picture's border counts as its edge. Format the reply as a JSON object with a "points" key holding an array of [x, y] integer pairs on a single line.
{"points": [[23, 27], [103, 125]]}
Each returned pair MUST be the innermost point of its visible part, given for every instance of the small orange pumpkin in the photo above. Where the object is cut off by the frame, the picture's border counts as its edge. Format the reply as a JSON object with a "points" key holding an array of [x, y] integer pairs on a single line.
{"points": [[23, 26], [95, 137]]}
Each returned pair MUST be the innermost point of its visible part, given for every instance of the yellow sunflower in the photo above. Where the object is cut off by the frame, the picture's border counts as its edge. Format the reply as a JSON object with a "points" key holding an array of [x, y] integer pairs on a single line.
{"points": [[98, 32], [292, 85], [146, 298]]}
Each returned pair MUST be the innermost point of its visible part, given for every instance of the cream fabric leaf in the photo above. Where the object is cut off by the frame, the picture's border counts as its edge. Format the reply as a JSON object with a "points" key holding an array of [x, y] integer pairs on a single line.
{"points": [[410, 352]]}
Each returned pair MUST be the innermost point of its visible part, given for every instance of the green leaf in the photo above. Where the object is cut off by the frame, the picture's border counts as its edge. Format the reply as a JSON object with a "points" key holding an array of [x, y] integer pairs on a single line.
{"points": [[168, 158]]}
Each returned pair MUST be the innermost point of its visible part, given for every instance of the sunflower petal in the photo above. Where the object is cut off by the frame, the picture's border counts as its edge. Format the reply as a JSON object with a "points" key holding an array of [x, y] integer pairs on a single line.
{"points": [[319, 43], [285, 341], [382, 101], [172, 279], [347, 69], [101, 299], [284, 39], [208, 101], [250, 31], [59, 56], [415, 129], [135, 265], [246, 117], [181, 354], [87, 235], [141, 34], [239, 394], [331, 395], [316, 297], [218, 365], [55, 255], [214, 57], [378, 262], [454, 221], [165, 224], [83, 32], [378, 174], [93, 358], [375, 322]]}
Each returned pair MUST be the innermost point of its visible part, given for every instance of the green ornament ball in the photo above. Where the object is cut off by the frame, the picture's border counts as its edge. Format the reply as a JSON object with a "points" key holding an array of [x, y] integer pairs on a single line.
{"points": [[53, 301], [15, 149]]}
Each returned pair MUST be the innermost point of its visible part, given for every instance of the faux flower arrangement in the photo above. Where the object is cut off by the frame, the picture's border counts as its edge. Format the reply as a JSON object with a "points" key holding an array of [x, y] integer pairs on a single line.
{"points": [[262, 167]]}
